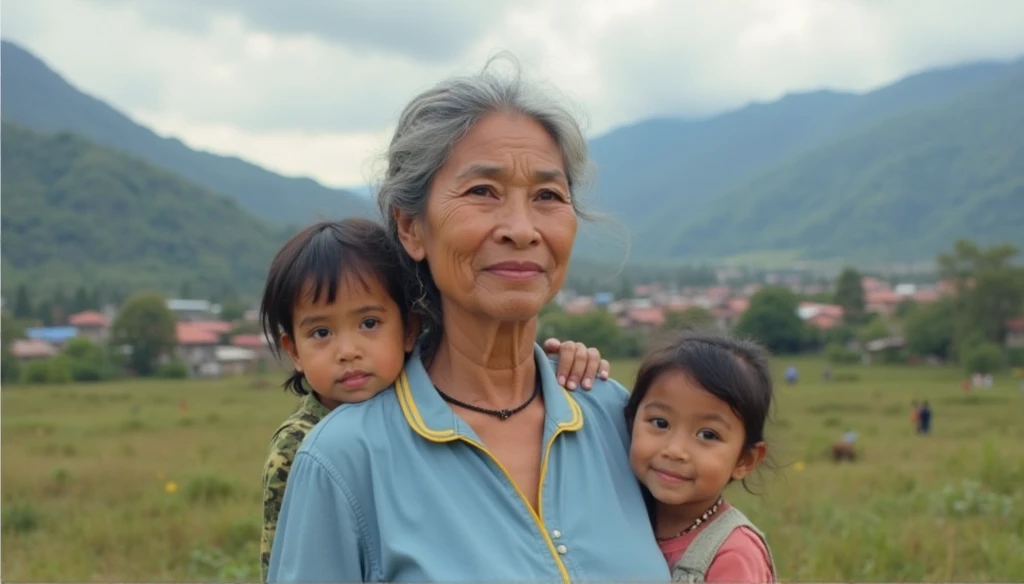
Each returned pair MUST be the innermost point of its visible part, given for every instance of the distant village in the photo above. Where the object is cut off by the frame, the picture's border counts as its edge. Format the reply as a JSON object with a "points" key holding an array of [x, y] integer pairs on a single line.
{"points": [[206, 345], [204, 341]]}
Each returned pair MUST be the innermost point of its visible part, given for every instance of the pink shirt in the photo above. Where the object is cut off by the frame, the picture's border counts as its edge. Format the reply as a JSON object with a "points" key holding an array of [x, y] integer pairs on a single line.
{"points": [[742, 557]]}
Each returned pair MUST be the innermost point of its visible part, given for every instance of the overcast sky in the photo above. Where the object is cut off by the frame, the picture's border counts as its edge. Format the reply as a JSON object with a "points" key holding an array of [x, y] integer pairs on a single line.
{"points": [[313, 87]]}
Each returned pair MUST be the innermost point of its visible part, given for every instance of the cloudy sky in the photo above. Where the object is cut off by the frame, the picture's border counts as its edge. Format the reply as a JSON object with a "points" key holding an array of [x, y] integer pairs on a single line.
{"points": [[312, 87]]}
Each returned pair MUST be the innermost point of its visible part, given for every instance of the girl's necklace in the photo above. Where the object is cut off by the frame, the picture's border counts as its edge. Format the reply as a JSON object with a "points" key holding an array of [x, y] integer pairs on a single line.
{"points": [[697, 522]]}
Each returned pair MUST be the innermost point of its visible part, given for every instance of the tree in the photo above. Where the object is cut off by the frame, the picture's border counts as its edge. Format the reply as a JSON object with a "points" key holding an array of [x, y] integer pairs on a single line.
{"points": [[850, 295], [148, 328], [872, 331], [81, 301], [10, 329], [23, 303], [989, 290], [928, 329], [772, 319]]}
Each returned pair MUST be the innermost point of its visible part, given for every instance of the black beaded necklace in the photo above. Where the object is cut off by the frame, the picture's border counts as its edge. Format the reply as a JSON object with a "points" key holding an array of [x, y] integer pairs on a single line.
{"points": [[500, 414]]}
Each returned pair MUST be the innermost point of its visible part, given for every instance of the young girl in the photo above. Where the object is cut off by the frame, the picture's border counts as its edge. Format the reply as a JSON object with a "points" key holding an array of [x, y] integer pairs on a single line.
{"points": [[334, 301], [697, 414]]}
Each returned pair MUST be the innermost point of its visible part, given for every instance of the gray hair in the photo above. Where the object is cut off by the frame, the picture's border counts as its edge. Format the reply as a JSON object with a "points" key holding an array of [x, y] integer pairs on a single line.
{"points": [[430, 126]]}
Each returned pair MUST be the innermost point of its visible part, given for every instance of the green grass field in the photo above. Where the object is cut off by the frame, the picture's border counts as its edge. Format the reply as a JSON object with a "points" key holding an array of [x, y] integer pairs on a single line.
{"points": [[121, 482]]}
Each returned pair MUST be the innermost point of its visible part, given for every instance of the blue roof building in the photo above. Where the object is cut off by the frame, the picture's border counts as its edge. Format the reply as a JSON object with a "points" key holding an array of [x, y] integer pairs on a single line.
{"points": [[52, 334]]}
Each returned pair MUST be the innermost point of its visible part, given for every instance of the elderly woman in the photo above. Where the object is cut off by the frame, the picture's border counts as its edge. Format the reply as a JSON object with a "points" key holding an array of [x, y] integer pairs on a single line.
{"points": [[479, 465]]}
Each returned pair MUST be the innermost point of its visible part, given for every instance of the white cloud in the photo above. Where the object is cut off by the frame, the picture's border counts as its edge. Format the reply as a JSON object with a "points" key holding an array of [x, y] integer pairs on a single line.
{"points": [[315, 90]]}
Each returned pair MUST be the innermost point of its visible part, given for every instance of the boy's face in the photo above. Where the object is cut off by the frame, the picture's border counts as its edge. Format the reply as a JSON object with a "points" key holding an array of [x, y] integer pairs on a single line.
{"points": [[352, 349]]}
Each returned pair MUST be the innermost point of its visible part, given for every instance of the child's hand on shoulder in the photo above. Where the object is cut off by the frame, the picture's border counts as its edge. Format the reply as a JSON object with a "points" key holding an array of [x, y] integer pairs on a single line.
{"points": [[578, 365]]}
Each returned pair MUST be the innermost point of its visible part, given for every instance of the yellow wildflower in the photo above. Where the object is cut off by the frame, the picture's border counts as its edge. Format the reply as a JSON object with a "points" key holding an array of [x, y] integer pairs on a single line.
{"points": [[798, 466], [171, 487]]}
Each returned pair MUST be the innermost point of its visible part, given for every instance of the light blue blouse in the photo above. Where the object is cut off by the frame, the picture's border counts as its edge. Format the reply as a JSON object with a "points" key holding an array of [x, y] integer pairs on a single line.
{"points": [[399, 488]]}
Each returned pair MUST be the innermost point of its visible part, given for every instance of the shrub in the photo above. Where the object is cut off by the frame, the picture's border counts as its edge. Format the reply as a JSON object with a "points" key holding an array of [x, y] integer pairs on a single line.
{"points": [[174, 369], [840, 355], [983, 357]]}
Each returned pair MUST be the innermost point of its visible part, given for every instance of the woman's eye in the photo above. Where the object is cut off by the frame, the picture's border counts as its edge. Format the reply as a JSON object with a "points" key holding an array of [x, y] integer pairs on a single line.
{"points": [[547, 195], [369, 324], [480, 190], [707, 435], [319, 333]]}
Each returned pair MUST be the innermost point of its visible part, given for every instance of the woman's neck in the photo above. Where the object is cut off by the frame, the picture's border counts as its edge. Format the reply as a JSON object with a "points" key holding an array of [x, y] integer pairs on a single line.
{"points": [[486, 364]]}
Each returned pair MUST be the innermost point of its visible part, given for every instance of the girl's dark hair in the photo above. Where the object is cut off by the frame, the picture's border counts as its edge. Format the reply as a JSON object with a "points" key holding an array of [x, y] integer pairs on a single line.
{"points": [[321, 255], [733, 370]]}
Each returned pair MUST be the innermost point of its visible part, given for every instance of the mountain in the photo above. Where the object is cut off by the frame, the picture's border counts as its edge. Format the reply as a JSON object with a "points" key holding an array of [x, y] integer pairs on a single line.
{"points": [[656, 174], [77, 213], [36, 97], [899, 190]]}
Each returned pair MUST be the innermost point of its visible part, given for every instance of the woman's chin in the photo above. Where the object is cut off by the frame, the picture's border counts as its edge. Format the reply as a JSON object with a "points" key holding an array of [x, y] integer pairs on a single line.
{"points": [[513, 307]]}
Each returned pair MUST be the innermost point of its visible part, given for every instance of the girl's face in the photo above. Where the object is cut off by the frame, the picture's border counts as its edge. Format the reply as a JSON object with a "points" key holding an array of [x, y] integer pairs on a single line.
{"points": [[353, 348], [688, 444]]}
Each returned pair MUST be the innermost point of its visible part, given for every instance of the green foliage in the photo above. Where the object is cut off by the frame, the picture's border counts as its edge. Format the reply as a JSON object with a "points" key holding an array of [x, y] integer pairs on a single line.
{"points": [[983, 357], [595, 329], [873, 330], [772, 319], [147, 326], [173, 369], [989, 291], [838, 354], [87, 361], [54, 370], [850, 295], [928, 329], [78, 214]]}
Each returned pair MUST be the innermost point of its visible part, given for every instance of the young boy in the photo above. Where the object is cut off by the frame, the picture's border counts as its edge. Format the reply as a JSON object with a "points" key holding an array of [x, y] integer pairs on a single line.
{"points": [[334, 301]]}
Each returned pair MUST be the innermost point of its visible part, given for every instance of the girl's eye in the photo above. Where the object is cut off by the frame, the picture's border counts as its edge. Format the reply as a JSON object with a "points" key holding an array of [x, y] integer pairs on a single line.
{"points": [[480, 190], [319, 333], [369, 324], [659, 423], [707, 435]]}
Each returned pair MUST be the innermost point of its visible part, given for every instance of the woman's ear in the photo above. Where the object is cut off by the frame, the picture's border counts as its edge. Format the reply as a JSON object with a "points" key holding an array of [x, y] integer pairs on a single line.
{"points": [[409, 233], [749, 459]]}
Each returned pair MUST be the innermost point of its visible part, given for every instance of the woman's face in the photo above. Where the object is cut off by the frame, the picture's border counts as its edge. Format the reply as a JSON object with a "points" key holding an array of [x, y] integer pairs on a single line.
{"points": [[499, 223]]}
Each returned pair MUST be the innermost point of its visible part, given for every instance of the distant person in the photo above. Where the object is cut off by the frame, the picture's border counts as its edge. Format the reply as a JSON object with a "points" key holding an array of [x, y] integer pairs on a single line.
{"points": [[826, 374], [791, 375], [697, 415], [334, 302], [845, 449], [915, 414], [924, 417]]}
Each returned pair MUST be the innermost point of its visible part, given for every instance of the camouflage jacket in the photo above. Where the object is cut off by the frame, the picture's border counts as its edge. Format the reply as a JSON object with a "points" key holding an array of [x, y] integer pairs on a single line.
{"points": [[283, 446]]}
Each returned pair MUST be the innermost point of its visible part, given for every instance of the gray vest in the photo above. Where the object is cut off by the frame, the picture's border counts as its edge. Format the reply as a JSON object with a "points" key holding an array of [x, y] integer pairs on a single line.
{"points": [[693, 566]]}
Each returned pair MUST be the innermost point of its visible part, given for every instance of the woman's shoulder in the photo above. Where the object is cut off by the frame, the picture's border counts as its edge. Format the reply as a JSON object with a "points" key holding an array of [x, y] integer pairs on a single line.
{"points": [[607, 395]]}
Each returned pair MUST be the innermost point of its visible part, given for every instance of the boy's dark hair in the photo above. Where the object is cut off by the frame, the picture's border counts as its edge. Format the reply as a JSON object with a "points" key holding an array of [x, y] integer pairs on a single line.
{"points": [[733, 370], [322, 255]]}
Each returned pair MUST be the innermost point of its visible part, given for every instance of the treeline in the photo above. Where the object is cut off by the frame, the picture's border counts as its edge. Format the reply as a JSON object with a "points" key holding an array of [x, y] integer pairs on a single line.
{"points": [[968, 326]]}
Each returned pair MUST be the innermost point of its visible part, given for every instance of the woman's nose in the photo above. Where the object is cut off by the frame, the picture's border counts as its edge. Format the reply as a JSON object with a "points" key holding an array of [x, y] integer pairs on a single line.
{"points": [[517, 225]]}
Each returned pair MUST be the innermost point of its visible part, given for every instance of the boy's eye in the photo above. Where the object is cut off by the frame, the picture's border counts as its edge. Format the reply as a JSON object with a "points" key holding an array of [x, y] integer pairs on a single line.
{"points": [[369, 324], [319, 332], [659, 423], [707, 435]]}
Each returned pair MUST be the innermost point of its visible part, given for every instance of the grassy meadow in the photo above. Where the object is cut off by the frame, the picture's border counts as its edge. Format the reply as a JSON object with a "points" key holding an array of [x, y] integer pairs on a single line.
{"points": [[160, 480]]}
